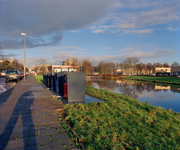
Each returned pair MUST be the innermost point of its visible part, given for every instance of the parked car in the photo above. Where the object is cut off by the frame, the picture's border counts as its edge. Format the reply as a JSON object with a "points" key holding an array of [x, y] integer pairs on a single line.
{"points": [[3, 73], [159, 74], [152, 74], [22, 74], [165, 74], [33, 72], [12, 75]]}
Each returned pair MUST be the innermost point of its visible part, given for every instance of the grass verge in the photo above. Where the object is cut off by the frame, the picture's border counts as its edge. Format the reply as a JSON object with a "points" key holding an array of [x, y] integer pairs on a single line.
{"points": [[157, 80], [123, 123], [39, 78]]}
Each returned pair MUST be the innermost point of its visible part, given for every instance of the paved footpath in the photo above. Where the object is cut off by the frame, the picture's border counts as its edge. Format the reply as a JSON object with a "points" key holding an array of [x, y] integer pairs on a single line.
{"points": [[29, 119]]}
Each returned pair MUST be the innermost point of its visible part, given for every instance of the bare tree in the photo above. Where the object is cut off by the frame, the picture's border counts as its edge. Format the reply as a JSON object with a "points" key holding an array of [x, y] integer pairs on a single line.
{"points": [[140, 67], [166, 65], [125, 64], [157, 64], [43, 65], [149, 67], [111, 67], [132, 61], [121, 65], [87, 66], [36, 68], [117, 65], [43, 68], [68, 62], [102, 67], [75, 61]]}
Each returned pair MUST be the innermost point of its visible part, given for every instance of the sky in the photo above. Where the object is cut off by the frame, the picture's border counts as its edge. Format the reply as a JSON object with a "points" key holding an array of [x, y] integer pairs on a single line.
{"points": [[97, 30]]}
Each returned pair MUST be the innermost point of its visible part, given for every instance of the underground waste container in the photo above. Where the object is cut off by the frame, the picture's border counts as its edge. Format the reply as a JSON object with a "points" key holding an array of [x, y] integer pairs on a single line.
{"points": [[74, 86], [60, 82], [49, 79], [53, 81], [45, 79]]}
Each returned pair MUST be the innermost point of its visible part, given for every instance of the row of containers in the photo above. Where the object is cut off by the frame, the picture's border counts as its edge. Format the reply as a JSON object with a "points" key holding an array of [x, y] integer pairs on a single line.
{"points": [[70, 85]]}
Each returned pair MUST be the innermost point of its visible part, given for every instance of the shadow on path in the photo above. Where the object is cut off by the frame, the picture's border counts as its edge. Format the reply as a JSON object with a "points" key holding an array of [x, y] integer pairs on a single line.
{"points": [[23, 108], [5, 95]]}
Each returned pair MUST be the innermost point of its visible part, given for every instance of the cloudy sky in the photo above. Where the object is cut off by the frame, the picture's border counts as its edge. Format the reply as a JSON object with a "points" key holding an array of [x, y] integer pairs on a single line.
{"points": [[99, 30]]}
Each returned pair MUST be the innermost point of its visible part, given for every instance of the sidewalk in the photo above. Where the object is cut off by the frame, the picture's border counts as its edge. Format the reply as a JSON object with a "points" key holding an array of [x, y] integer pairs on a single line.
{"points": [[29, 119]]}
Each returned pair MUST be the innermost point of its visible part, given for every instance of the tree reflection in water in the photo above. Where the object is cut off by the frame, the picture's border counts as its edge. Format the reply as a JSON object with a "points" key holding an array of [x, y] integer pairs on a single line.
{"points": [[157, 95], [128, 87]]}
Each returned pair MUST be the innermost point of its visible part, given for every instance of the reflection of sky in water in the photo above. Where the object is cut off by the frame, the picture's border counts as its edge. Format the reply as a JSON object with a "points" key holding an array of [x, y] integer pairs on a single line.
{"points": [[165, 97]]}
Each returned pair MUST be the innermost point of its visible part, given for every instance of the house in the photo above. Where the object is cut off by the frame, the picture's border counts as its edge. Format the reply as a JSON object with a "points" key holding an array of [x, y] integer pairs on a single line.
{"points": [[175, 69], [125, 71], [59, 68], [161, 70]]}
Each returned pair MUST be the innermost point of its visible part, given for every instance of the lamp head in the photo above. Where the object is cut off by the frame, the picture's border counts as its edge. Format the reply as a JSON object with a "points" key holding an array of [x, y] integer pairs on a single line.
{"points": [[23, 33]]}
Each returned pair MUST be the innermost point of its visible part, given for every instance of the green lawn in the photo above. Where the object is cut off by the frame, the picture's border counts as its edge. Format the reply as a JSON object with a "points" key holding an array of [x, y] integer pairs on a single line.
{"points": [[39, 78], [123, 123], [165, 80]]}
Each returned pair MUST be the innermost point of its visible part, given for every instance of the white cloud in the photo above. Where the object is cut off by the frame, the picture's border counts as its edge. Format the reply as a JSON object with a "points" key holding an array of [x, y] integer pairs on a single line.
{"points": [[74, 31], [98, 31], [146, 51], [72, 47], [142, 31], [172, 29], [139, 16], [55, 49], [45, 20]]}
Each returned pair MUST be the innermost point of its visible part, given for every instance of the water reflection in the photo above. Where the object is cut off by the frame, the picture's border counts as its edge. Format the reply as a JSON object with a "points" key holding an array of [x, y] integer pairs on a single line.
{"points": [[165, 96]]}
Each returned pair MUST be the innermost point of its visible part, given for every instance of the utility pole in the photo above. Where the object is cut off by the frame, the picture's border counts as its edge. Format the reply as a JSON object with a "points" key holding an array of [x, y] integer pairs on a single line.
{"points": [[24, 53]]}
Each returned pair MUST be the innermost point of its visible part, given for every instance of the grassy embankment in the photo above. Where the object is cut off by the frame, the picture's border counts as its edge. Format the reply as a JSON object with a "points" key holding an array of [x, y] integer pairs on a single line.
{"points": [[156, 80], [39, 78], [123, 123]]}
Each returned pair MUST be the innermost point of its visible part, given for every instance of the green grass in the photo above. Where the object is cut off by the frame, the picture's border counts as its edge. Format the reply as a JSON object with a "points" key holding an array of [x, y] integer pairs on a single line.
{"points": [[164, 80], [123, 123], [39, 78]]}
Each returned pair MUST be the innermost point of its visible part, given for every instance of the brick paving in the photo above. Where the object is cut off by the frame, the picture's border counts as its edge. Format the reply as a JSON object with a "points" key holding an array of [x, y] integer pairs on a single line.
{"points": [[29, 119]]}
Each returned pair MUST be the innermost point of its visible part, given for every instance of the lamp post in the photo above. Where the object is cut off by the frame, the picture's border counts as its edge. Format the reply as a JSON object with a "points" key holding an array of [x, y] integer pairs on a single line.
{"points": [[24, 53]]}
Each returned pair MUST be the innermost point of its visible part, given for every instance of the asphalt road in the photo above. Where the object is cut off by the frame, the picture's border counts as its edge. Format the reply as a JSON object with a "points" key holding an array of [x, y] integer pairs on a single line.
{"points": [[4, 86]]}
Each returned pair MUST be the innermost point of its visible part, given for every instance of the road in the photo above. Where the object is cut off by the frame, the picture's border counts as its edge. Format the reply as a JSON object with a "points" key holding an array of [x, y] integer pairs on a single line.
{"points": [[4, 86]]}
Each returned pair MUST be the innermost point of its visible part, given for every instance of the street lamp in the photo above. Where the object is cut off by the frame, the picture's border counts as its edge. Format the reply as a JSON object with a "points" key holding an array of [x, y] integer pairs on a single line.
{"points": [[24, 53]]}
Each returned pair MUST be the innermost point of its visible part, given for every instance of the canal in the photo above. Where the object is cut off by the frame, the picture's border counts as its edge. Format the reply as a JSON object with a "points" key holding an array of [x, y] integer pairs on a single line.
{"points": [[166, 97]]}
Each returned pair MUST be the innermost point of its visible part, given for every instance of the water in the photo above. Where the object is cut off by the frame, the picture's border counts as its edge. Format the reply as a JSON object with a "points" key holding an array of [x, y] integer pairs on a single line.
{"points": [[166, 97]]}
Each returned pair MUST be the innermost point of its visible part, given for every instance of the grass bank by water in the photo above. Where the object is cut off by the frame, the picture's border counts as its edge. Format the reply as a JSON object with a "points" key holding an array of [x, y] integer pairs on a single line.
{"points": [[123, 123], [39, 78], [157, 80]]}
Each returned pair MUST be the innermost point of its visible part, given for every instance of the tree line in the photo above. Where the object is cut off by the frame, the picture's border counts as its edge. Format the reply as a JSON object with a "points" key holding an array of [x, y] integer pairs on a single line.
{"points": [[11, 65], [111, 67]]}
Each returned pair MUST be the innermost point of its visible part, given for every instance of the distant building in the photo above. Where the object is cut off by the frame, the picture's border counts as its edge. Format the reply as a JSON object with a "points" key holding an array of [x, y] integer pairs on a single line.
{"points": [[162, 70], [125, 71], [175, 69], [58, 68]]}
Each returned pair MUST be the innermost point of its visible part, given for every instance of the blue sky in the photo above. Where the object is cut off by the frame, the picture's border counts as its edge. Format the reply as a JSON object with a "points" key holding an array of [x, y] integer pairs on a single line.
{"points": [[99, 30]]}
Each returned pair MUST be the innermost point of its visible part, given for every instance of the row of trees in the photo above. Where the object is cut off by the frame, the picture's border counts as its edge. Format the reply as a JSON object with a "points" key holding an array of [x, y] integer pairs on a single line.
{"points": [[42, 67], [86, 65], [11, 65], [111, 67]]}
